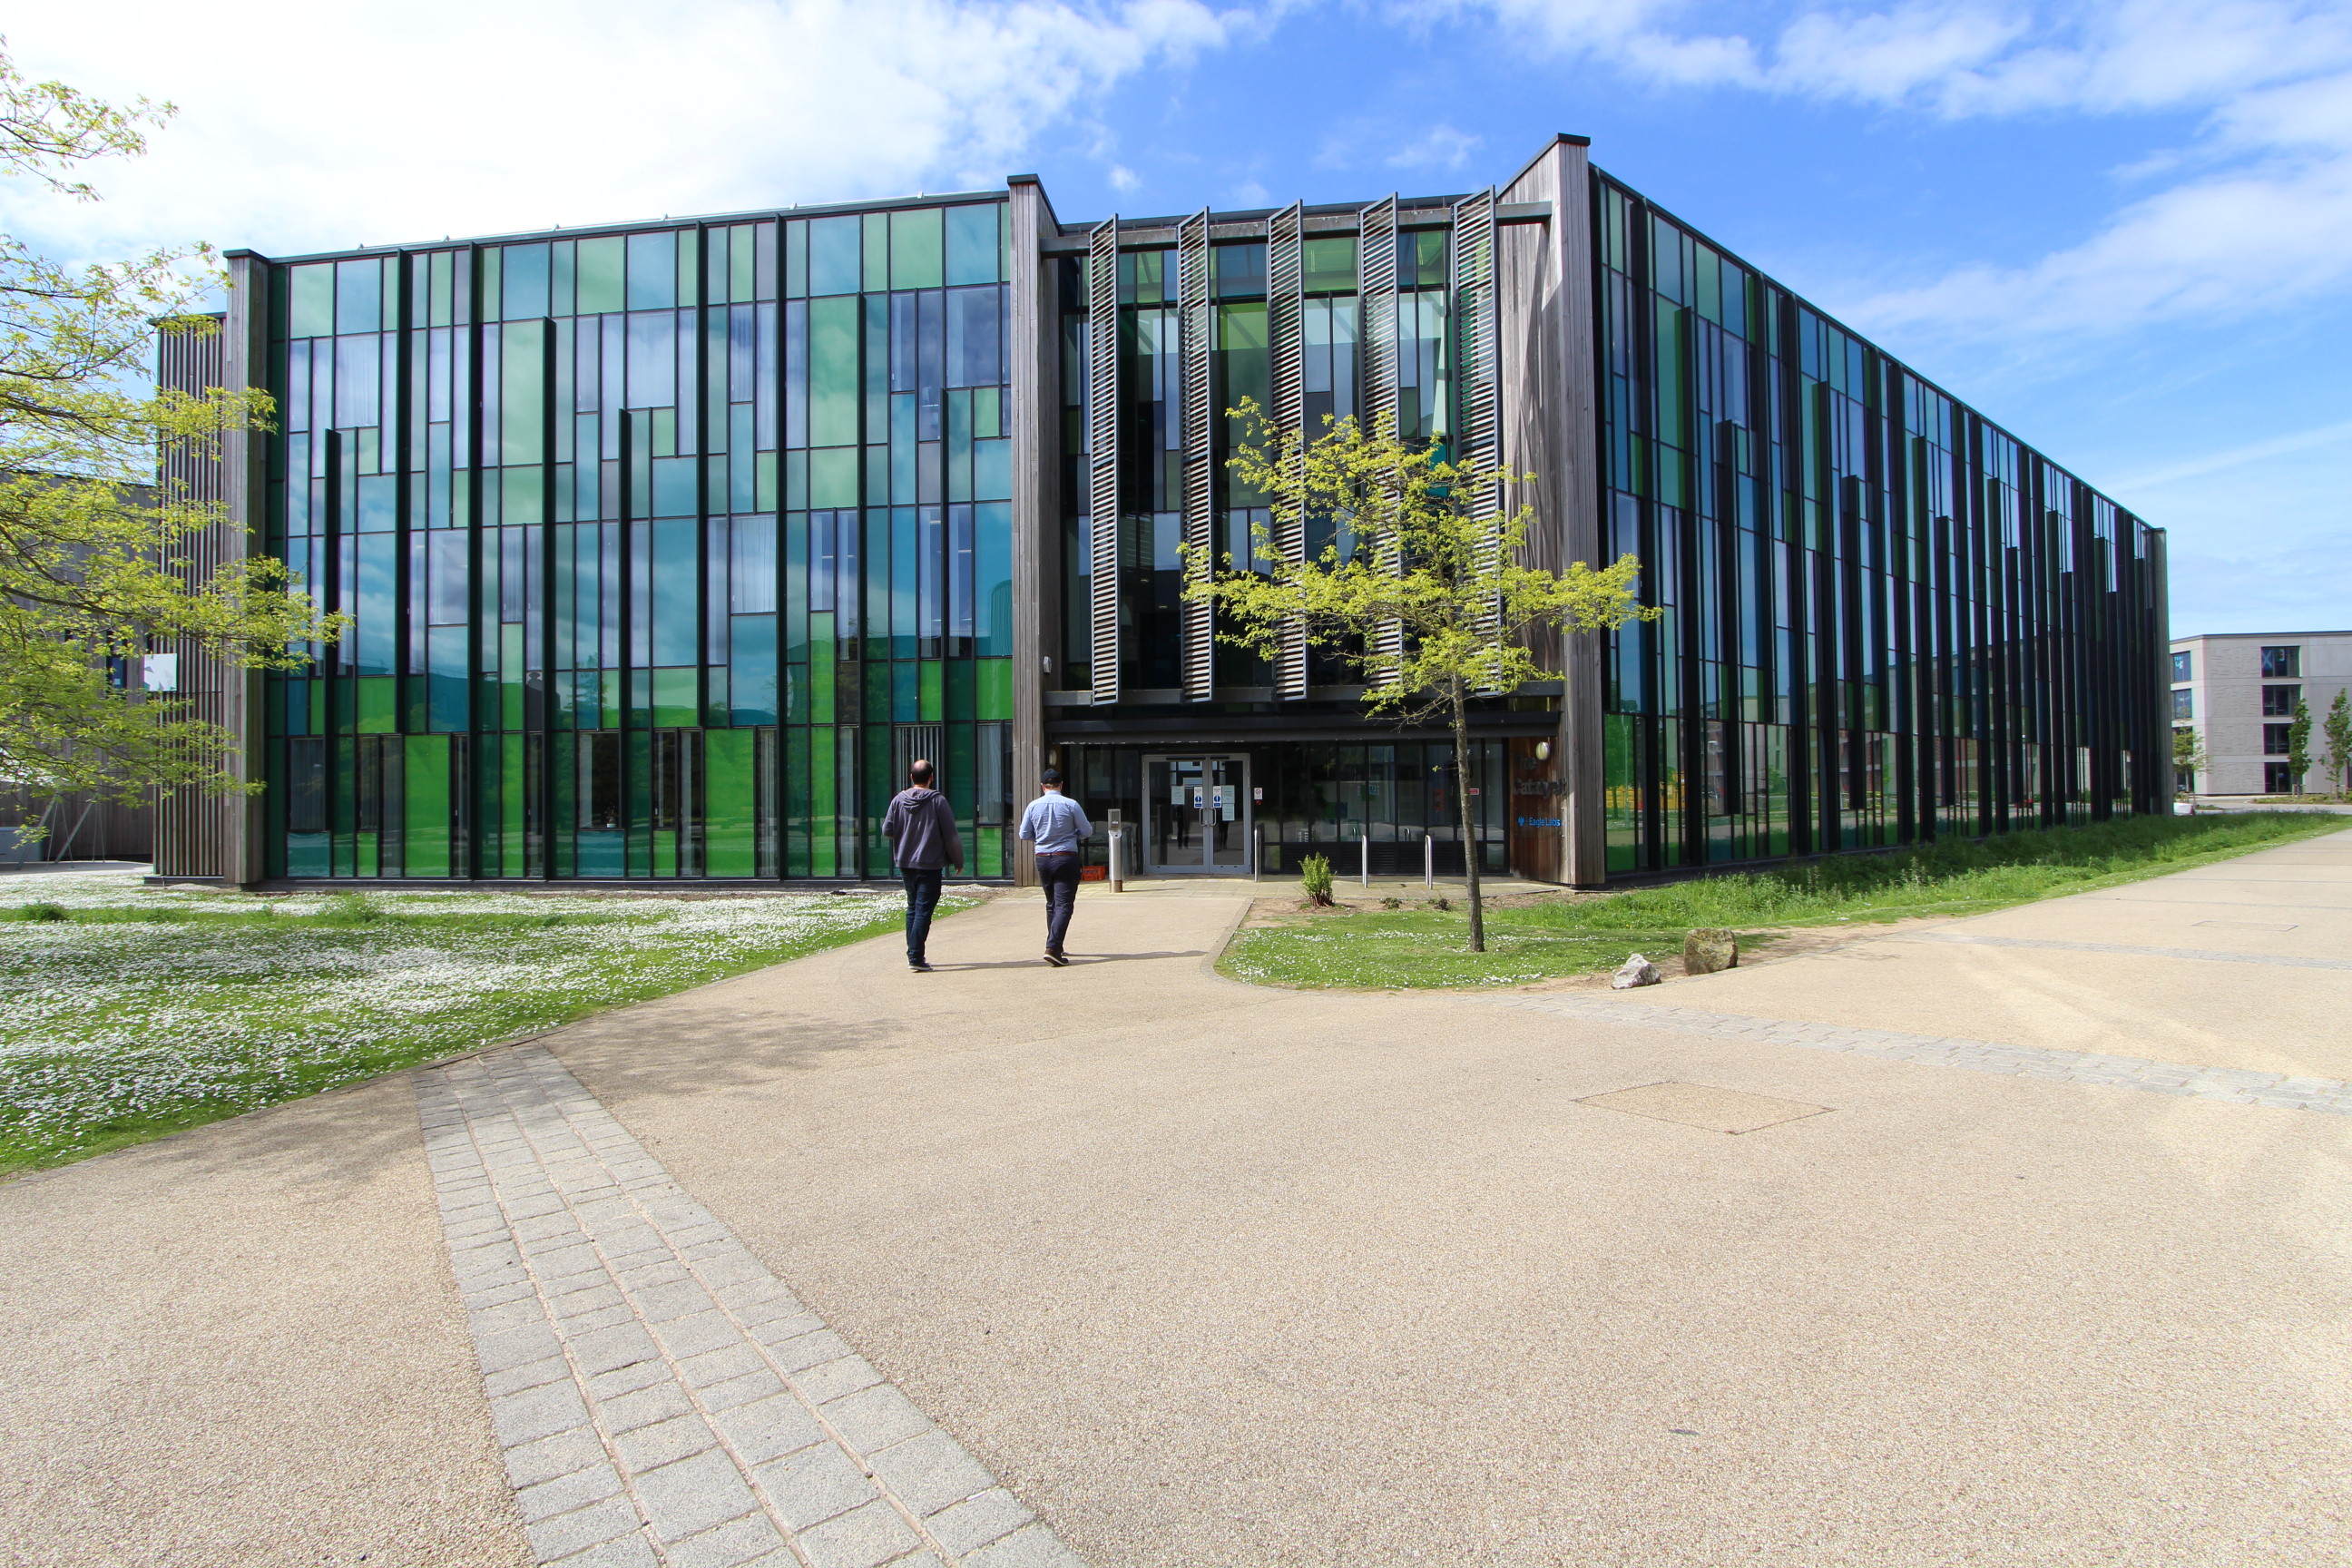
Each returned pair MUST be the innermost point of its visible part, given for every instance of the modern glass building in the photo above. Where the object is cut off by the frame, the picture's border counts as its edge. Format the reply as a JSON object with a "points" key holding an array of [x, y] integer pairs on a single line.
{"points": [[667, 547]]}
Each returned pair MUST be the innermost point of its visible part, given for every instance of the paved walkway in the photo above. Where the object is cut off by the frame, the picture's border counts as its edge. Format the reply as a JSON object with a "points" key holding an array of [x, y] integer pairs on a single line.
{"points": [[1203, 1275]]}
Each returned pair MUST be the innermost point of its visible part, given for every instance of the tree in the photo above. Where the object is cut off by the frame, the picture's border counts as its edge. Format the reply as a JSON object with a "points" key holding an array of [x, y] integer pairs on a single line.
{"points": [[93, 568], [2298, 743], [2338, 730], [1423, 589], [2189, 757]]}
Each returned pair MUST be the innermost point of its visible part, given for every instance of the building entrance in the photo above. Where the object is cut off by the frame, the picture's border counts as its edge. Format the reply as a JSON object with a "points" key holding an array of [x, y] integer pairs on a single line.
{"points": [[1196, 814]]}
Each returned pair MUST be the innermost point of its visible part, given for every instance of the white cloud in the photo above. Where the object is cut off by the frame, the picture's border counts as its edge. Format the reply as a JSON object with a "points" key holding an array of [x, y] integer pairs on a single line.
{"points": [[309, 127], [2259, 212], [1442, 147]]}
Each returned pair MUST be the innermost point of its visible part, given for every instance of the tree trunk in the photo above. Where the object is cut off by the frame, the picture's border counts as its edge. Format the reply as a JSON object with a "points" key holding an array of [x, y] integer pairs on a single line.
{"points": [[1470, 844]]}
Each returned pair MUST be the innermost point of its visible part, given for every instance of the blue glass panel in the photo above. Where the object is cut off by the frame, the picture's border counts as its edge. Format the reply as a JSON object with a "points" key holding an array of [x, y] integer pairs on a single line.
{"points": [[972, 248], [653, 271], [835, 261], [372, 600], [752, 670], [379, 499], [674, 596], [993, 549], [447, 686], [992, 470], [358, 296], [359, 378], [653, 360], [674, 485], [526, 282]]}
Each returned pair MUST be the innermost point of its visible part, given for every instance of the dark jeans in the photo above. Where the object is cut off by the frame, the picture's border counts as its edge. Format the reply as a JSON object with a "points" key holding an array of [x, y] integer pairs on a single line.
{"points": [[922, 898], [1059, 876]]}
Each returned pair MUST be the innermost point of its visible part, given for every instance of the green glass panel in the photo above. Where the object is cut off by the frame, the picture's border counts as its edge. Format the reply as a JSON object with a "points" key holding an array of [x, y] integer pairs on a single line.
{"points": [[832, 256], [833, 477], [742, 247], [931, 702], [510, 802], [310, 301], [425, 786], [689, 267], [878, 252], [510, 676], [558, 278], [318, 705], [600, 275], [878, 692], [1330, 264], [730, 798], [379, 705], [915, 249], [825, 805], [486, 295], [833, 375], [989, 852], [522, 493], [753, 681], [972, 241], [995, 676], [678, 701], [906, 691], [962, 694], [763, 475], [608, 698]]}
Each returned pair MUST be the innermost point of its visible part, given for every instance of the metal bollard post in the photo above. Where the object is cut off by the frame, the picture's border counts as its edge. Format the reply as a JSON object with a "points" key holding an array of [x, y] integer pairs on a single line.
{"points": [[1364, 860], [1428, 861], [1118, 868]]}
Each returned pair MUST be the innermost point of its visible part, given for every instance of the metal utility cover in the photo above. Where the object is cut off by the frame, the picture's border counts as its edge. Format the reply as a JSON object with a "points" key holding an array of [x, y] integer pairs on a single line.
{"points": [[1703, 1105]]}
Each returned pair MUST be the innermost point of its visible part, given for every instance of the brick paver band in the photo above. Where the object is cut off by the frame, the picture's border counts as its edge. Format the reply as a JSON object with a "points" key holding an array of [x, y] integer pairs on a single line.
{"points": [[660, 1397], [2232, 1084]]}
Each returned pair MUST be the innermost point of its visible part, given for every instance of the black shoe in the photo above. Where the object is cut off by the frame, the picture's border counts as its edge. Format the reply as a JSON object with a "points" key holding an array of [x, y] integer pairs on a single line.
{"points": [[919, 967], [1057, 961]]}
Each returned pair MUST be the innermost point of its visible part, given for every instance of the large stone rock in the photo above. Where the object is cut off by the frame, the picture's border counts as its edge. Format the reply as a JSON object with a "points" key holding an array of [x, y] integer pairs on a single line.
{"points": [[1708, 948], [1635, 970]]}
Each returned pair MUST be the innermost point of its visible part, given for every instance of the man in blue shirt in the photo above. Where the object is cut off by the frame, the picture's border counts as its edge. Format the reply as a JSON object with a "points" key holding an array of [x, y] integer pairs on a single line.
{"points": [[1055, 824]]}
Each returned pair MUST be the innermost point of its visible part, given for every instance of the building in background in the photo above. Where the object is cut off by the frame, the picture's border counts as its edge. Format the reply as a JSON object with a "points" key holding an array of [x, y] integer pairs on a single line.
{"points": [[2239, 693], [668, 546]]}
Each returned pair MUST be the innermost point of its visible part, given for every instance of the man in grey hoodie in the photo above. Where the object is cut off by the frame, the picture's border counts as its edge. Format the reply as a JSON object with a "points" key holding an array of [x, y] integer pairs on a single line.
{"points": [[921, 827]]}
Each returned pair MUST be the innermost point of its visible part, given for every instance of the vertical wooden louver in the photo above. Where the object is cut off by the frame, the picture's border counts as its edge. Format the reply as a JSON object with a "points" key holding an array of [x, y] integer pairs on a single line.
{"points": [[1285, 306], [1193, 332], [1376, 270], [1102, 452], [1478, 423], [199, 834]]}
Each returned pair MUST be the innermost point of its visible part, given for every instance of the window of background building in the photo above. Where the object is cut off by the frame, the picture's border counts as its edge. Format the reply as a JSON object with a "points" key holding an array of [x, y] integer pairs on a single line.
{"points": [[2277, 778], [2274, 741], [2280, 700], [2282, 663], [2184, 704], [2181, 666]]}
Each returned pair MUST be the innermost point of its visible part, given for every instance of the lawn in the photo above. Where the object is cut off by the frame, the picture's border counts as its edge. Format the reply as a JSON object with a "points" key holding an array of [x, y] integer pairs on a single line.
{"points": [[1551, 937], [127, 1012]]}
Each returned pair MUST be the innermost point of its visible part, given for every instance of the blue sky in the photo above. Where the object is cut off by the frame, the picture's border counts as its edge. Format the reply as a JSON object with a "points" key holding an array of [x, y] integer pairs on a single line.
{"points": [[2123, 229]]}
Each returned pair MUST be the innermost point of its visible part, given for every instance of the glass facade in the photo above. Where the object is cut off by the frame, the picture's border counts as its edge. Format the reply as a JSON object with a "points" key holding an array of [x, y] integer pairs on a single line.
{"points": [[665, 550], [1886, 618]]}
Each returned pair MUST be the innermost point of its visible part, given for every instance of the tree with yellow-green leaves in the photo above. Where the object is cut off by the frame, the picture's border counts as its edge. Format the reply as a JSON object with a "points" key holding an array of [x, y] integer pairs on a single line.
{"points": [[1425, 587], [93, 570]]}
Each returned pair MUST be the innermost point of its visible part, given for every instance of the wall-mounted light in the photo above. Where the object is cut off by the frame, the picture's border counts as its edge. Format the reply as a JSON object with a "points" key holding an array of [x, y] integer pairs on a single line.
{"points": [[1543, 750]]}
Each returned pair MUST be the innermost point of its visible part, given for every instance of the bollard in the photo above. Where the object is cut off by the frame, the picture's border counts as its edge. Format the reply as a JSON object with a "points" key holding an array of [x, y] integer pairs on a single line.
{"points": [[1428, 861], [1117, 877], [1364, 860]]}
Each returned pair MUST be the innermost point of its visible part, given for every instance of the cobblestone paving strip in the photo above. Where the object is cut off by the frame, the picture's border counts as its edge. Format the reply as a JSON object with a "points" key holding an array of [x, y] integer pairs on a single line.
{"points": [[660, 1397], [2202, 954], [2232, 1084]]}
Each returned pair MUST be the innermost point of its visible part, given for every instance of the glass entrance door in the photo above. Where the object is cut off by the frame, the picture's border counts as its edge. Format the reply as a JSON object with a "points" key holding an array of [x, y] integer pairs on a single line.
{"points": [[1196, 814]]}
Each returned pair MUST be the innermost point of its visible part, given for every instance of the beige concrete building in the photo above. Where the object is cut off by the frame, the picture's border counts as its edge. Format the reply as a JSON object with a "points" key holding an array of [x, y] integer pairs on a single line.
{"points": [[2239, 691]]}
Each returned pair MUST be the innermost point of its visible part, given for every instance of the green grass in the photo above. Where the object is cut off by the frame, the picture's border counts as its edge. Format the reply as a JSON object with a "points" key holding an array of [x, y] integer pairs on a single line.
{"points": [[1555, 937], [127, 1012]]}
